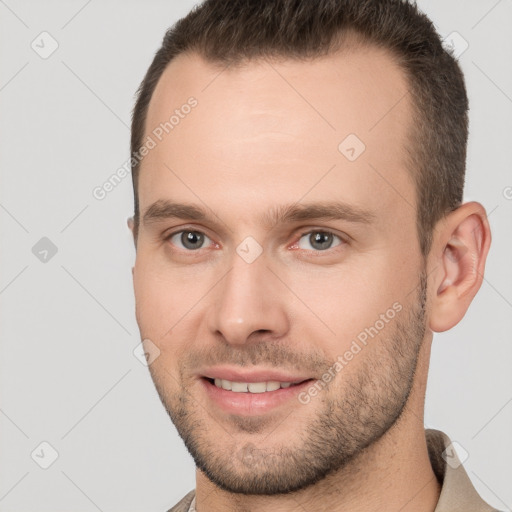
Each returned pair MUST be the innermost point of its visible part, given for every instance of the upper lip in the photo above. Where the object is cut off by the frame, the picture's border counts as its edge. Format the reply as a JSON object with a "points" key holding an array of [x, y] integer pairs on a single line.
{"points": [[256, 375]]}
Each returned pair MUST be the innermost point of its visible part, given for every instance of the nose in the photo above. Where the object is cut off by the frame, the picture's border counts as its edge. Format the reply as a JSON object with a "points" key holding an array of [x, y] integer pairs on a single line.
{"points": [[250, 299]]}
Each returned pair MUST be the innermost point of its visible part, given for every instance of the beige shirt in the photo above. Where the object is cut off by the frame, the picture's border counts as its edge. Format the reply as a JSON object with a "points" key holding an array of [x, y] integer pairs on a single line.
{"points": [[457, 491]]}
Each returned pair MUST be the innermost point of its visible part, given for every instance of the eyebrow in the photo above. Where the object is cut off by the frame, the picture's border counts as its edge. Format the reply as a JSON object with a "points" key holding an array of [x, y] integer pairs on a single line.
{"points": [[327, 210]]}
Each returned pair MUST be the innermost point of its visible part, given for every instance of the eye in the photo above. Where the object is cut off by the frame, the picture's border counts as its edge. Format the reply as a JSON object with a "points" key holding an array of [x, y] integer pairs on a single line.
{"points": [[319, 240], [188, 239]]}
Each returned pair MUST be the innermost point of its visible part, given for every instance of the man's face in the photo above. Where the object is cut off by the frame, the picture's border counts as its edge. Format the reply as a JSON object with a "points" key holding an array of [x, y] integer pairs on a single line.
{"points": [[250, 295]]}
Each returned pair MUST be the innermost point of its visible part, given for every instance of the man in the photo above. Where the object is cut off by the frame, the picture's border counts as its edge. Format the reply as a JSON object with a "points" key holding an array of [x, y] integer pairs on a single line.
{"points": [[298, 170]]}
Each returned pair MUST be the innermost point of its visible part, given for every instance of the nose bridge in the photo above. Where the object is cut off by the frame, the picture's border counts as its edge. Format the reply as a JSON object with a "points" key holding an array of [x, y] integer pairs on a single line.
{"points": [[247, 300]]}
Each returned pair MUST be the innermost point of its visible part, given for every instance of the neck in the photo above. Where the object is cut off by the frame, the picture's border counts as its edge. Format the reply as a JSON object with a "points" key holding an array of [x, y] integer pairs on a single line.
{"points": [[394, 473]]}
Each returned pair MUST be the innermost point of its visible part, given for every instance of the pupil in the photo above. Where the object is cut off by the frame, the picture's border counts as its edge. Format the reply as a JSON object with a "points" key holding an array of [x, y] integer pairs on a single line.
{"points": [[321, 240]]}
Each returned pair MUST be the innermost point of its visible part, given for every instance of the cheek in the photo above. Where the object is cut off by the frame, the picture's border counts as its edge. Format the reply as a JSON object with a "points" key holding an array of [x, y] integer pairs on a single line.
{"points": [[343, 302], [154, 301], [166, 298]]}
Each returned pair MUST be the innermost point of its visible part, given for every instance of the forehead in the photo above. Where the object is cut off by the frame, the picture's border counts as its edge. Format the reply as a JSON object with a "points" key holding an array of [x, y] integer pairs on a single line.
{"points": [[334, 127]]}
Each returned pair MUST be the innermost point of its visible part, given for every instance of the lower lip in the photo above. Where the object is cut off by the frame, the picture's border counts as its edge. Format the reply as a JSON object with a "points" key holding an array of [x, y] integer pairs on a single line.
{"points": [[252, 404]]}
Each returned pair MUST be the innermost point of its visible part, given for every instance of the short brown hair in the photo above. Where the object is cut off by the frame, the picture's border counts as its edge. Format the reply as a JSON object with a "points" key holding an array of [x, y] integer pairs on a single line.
{"points": [[227, 32]]}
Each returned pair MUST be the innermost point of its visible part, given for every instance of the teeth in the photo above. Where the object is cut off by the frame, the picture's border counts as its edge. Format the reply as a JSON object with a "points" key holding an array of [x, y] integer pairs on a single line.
{"points": [[239, 387], [251, 387], [257, 387], [273, 385]]}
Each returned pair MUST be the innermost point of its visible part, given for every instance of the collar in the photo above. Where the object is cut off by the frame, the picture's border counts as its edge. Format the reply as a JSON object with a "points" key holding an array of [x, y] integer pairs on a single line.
{"points": [[457, 491]]}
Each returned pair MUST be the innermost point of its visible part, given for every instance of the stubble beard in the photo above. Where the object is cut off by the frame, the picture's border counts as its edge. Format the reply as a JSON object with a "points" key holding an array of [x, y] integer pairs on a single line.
{"points": [[368, 405]]}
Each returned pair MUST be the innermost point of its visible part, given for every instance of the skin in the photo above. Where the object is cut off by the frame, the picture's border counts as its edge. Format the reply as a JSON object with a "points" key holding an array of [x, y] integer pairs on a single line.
{"points": [[264, 135]]}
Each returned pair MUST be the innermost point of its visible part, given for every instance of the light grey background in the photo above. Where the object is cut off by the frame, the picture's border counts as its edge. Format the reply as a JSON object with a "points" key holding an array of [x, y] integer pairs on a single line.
{"points": [[68, 331]]}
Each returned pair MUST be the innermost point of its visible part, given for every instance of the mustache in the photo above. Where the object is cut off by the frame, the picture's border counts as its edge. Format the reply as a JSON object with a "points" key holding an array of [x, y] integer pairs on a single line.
{"points": [[269, 354]]}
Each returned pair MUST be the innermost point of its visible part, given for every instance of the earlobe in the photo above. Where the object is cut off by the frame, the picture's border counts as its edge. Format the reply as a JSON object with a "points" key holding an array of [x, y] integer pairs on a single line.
{"points": [[461, 245]]}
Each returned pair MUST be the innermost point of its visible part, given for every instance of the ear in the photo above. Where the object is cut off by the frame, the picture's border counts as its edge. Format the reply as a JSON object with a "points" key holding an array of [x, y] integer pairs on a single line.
{"points": [[461, 241], [131, 225]]}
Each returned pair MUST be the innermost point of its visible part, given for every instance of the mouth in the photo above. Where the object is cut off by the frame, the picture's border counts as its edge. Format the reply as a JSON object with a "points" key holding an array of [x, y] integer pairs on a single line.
{"points": [[252, 396]]}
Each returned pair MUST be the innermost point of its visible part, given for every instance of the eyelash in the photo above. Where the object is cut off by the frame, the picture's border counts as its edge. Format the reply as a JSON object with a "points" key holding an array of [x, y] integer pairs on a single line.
{"points": [[343, 240]]}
